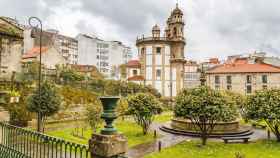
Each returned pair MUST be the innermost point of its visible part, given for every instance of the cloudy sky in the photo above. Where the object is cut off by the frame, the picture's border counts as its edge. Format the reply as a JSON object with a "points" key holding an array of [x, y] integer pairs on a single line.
{"points": [[214, 28]]}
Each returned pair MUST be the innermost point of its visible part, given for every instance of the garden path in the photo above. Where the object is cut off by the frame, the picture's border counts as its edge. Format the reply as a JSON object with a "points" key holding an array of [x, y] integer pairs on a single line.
{"points": [[168, 140]]}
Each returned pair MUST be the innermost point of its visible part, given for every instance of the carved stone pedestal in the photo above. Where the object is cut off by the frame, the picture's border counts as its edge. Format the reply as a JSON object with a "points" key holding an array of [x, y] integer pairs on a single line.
{"points": [[107, 146]]}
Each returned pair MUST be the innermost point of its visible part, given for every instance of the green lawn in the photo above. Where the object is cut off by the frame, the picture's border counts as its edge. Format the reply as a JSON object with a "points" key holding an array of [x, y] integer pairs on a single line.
{"points": [[164, 117], [131, 130], [261, 149]]}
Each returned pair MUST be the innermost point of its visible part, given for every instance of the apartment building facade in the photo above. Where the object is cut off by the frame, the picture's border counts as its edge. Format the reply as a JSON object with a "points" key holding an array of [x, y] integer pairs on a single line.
{"points": [[107, 56], [67, 46]]}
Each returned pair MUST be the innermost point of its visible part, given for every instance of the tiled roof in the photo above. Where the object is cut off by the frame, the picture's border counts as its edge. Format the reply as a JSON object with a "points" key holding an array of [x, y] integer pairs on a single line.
{"points": [[34, 52], [136, 78], [134, 64], [242, 66]]}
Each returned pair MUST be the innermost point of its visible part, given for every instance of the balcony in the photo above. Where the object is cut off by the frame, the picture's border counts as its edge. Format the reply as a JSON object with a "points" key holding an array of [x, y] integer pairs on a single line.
{"points": [[158, 39]]}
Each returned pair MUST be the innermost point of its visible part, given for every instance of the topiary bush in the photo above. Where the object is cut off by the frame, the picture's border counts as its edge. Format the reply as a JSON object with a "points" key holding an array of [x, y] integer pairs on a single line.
{"points": [[205, 107]]}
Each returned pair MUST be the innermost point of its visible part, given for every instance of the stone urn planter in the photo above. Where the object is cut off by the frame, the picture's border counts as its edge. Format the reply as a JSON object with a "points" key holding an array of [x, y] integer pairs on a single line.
{"points": [[109, 105], [109, 143]]}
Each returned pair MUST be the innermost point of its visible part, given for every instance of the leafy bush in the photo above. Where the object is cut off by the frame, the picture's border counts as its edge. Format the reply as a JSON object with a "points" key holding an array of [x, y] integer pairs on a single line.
{"points": [[93, 115], [205, 107], [122, 107], [265, 105], [143, 107], [240, 101]]}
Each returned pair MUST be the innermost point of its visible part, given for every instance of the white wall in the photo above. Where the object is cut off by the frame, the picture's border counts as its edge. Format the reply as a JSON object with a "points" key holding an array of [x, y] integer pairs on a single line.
{"points": [[87, 53], [158, 86], [51, 58], [158, 59], [149, 73], [28, 41]]}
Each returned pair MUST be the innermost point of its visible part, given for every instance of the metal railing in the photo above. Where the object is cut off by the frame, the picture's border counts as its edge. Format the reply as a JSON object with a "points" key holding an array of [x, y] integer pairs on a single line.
{"points": [[25, 143], [144, 39], [10, 153]]}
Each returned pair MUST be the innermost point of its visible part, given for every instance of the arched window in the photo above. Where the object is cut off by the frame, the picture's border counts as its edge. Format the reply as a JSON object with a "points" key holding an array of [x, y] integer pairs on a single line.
{"points": [[175, 31], [143, 51]]}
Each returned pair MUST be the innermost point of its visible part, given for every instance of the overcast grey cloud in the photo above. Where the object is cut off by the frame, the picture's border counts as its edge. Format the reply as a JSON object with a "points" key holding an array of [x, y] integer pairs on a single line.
{"points": [[214, 28]]}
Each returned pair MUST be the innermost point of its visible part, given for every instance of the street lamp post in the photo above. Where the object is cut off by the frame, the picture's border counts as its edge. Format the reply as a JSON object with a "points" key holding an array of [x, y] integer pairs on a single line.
{"points": [[40, 63], [203, 76]]}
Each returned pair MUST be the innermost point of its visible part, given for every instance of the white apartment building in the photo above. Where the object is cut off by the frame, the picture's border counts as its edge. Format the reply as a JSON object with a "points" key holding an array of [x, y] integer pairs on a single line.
{"points": [[107, 56], [67, 46]]}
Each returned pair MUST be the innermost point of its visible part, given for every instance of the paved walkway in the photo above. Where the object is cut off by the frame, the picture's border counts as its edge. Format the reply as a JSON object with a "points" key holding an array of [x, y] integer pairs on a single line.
{"points": [[169, 140]]}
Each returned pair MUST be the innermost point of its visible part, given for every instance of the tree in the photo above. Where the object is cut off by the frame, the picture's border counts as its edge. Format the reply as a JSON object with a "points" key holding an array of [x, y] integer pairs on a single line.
{"points": [[239, 100], [74, 96], [123, 71], [93, 115], [143, 107], [45, 104], [98, 86], [112, 87], [70, 76], [122, 108], [205, 107], [265, 105]]}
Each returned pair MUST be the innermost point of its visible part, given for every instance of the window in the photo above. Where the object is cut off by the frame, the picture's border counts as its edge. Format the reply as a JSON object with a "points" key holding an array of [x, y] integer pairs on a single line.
{"points": [[229, 81], [217, 79], [249, 79], [142, 51], [158, 50], [175, 32], [217, 87], [249, 89], [158, 74], [217, 82], [264, 87], [264, 78], [134, 72]]}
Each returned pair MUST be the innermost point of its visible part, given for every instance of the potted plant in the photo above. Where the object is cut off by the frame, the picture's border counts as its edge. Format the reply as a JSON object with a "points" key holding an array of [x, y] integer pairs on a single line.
{"points": [[14, 96]]}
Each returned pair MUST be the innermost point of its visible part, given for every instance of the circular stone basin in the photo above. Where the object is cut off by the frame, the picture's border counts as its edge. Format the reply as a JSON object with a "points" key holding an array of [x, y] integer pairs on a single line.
{"points": [[220, 127]]}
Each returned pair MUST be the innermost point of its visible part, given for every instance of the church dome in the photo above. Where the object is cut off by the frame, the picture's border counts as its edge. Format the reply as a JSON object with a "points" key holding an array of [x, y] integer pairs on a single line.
{"points": [[156, 28], [177, 10]]}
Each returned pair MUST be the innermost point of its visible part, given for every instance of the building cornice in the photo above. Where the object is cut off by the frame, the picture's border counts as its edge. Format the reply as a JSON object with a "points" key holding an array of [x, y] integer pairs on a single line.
{"points": [[159, 40]]}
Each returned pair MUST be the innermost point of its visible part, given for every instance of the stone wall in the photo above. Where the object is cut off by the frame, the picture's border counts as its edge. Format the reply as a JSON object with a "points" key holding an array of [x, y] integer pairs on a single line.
{"points": [[220, 127]]}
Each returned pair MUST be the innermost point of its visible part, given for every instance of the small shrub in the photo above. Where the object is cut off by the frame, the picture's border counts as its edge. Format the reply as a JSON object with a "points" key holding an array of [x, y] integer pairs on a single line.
{"points": [[143, 107]]}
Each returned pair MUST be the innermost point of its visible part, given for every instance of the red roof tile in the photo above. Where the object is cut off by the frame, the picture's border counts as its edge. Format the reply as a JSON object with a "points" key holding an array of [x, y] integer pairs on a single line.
{"points": [[34, 52], [214, 61], [134, 64], [241, 66], [136, 78]]}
